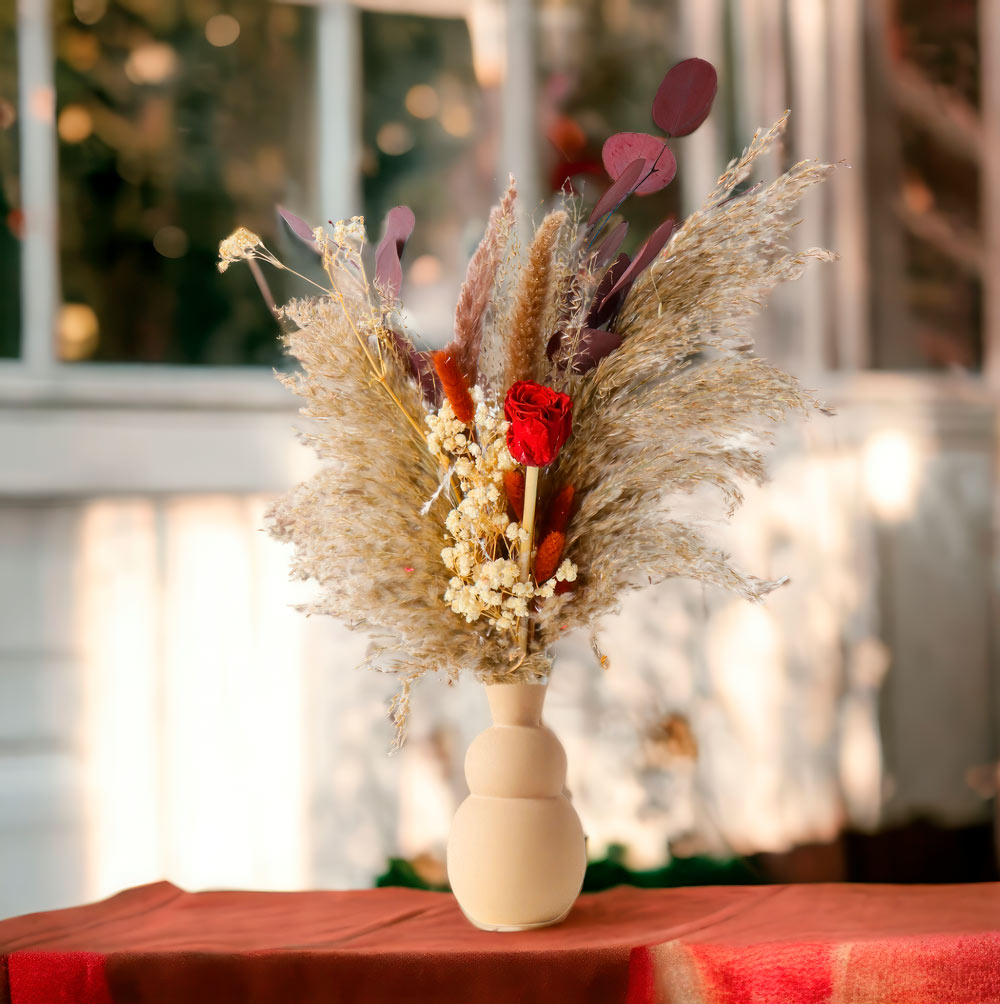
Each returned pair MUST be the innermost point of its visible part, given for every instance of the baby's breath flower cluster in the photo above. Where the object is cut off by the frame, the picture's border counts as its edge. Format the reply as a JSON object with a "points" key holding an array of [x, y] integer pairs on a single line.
{"points": [[343, 245], [239, 245], [483, 558]]}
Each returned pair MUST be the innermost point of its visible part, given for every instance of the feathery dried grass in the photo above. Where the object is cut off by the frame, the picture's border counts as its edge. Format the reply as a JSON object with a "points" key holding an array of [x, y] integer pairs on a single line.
{"points": [[356, 526], [476, 293], [525, 350], [682, 404]]}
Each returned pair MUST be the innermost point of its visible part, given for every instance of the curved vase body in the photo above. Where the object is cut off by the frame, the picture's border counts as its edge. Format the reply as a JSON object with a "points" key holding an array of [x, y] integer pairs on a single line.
{"points": [[516, 852]]}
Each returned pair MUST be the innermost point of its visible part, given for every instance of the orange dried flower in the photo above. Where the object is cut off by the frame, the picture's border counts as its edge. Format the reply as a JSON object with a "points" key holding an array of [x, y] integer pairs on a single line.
{"points": [[549, 555], [513, 484], [455, 389], [560, 509]]}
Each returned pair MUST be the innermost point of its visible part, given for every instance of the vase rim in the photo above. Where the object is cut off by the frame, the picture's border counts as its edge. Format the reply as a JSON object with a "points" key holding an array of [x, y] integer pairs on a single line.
{"points": [[516, 703]]}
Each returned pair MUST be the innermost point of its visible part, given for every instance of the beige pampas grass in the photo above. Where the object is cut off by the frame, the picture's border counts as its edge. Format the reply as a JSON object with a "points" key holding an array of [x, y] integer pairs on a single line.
{"points": [[407, 530], [682, 405], [357, 526]]}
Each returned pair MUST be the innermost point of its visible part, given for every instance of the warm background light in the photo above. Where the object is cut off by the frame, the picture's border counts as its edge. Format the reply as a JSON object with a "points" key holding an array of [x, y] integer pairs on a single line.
{"points": [[75, 124], [171, 242], [422, 101], [222, 30], [394, 139], [151, 63], [77, 331], [891, 474]]}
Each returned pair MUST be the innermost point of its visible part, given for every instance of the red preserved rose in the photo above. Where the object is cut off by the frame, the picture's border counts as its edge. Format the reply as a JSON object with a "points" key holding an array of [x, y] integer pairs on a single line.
{"points": [[541, 420]]}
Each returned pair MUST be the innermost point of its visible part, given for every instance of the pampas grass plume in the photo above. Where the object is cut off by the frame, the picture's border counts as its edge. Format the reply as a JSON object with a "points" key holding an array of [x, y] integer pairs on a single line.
{"points": [[526, 339]]}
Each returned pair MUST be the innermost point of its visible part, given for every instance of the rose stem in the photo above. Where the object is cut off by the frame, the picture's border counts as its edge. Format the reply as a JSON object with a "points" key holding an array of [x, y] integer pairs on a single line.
{"points": [[528, 525]]}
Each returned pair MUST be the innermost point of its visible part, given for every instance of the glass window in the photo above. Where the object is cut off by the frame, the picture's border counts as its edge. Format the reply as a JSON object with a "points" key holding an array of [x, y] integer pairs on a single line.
{"points": [[10, 197], [599, 66], [429, 142], [925, 170], [177, 121]]}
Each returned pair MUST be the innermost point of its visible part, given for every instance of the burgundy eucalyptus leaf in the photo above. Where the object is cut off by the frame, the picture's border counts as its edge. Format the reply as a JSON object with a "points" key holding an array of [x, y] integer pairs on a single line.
{"points": [[656, 243], [423, 371], [399, 223], [553, 345], [299, 227], [685, 97], [624, 148], [608, 247], [592, 346], [619, 190], [419, 364], [604, 306]]}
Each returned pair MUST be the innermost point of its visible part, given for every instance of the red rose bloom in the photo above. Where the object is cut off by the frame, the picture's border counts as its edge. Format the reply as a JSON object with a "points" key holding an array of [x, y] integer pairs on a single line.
{"points": [[541, 420]]}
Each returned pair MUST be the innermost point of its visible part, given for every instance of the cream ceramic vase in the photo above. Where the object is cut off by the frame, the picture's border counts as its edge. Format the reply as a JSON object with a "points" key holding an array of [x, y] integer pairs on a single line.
{"points": [[516, 852]]}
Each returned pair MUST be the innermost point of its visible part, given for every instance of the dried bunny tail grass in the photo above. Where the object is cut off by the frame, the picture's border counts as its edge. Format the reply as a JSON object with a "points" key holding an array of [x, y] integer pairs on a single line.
{"points": [[526, 335], [560, 509], [477, 290], [550, 552], [454, 386], [356, 527]]}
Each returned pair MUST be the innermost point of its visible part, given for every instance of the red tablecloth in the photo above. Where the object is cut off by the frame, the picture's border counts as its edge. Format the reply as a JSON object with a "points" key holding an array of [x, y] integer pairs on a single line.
{"points": [[743, 945]]}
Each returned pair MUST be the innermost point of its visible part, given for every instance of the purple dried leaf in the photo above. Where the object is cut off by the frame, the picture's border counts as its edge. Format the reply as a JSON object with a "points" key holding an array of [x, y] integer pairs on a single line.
{"points": [[685, 97], [591, 347], [426, 377], [624, 148], [619, 190], [299, 227], [419, 364], [656, 243], [604, 306], [399, 224], [553, 344], [608, 247]]}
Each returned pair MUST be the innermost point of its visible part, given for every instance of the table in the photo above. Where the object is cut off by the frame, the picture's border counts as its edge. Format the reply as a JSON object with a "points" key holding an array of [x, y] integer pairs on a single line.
{"points": [[806, 944]]}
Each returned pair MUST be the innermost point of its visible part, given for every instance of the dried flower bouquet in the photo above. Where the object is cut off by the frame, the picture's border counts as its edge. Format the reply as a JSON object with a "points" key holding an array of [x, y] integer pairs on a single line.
{"points": [[480, 501]]}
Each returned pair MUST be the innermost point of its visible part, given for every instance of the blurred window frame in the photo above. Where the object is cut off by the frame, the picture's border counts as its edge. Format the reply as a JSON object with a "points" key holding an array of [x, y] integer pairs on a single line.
{"points": [[83, 429]]}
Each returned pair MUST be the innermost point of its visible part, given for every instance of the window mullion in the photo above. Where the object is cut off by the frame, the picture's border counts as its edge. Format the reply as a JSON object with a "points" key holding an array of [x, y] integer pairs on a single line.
{"points": [[338, 69], [40, 294]]}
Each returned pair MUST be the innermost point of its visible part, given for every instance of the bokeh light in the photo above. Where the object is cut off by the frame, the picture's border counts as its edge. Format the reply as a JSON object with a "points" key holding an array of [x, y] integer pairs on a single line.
{"points": [[89, 11], [426, 270], [422, 101], [222, 30], [171, 242], [891, 474], [77, 331], [151, 63], [394, 139], [75, 124], [456, 119]]}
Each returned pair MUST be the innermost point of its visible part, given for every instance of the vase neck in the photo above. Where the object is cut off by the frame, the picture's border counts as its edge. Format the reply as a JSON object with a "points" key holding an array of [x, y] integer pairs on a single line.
{"points": [[516, 703]]}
